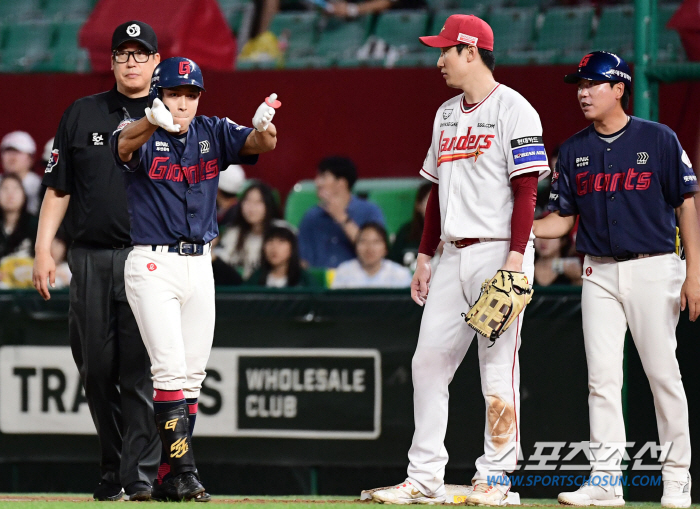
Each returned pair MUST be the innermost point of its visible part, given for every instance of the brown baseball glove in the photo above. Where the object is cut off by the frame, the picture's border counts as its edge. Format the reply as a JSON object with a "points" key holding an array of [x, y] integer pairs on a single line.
{"points": [[500, 302]]}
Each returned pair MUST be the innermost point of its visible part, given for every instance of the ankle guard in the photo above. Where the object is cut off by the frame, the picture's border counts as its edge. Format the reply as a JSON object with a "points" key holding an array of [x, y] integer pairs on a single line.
{"points": [[173, 427]]}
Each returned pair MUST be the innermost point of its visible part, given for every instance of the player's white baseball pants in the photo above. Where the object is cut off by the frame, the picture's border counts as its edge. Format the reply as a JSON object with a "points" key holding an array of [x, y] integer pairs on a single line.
{"points": [[442, 344], [172, 298], [644, 294]]}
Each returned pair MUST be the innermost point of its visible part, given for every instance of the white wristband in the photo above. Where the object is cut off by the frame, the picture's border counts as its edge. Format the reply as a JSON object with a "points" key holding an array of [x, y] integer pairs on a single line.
{"points": [[353, 10]]}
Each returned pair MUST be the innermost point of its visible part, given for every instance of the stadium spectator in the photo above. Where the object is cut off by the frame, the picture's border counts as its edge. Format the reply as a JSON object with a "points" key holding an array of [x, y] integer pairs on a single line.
{"points": [[405, 247], [328, 231], [231, 183], [18, 149], [241, 244], [17, 234], [18, 231], [553, 266], [371, 269], [280, 267]]}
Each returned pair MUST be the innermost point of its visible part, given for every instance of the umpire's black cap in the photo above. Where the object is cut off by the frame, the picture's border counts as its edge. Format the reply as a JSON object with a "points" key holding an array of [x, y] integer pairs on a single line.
{"points": [[135, 31]]}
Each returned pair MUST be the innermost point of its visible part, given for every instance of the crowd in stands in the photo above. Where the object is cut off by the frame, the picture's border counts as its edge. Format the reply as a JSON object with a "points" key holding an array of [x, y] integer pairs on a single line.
{"points": [[341, 242]]}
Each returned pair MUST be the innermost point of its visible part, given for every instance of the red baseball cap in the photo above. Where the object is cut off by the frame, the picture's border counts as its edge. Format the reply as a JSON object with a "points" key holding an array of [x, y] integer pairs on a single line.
{"points": [[462, 29]]}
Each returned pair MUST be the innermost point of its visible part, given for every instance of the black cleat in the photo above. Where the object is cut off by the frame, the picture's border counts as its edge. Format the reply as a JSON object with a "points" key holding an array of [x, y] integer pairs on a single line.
{"points": [[203, 497], [138, 491], [108, 492], [185, 486]]}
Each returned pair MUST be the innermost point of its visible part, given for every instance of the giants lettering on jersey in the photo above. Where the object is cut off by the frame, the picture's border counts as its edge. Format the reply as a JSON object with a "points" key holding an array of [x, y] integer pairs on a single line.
{"points": [[628, 181], [160, 169], [473, 146]]}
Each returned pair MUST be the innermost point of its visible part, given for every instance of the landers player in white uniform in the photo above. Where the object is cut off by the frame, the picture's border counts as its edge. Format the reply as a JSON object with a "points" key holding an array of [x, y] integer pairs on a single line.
{"points": [[484, 161]]}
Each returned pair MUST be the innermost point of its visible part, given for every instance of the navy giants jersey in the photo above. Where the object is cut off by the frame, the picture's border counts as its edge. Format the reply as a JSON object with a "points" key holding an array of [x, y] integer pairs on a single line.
{"points": [[171, 183], [625, 192]]}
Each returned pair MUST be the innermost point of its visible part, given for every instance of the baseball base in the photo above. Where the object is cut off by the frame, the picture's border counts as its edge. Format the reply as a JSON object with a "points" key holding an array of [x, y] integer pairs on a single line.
{"points": [[456, 494]]}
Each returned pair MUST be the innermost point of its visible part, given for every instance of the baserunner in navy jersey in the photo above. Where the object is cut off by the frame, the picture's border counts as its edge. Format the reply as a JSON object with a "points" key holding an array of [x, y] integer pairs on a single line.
{"points": [[630, 182], [172, 160]]}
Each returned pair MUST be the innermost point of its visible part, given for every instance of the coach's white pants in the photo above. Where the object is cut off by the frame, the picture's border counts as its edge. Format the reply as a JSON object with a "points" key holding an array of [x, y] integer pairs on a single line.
{"points": [[644, 294], [172, 298], [442, 344]]}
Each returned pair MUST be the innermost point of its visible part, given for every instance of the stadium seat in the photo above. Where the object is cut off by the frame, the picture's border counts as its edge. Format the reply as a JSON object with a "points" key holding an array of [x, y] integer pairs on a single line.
{"points": [[318, 274], [308, 62], [566, 30], [441, 16], [26, 44], [670, 46], [57, 10], [462, 6], [538, 4], [513, 29], [240, 17], [402, 28], [529, 57], [64, 53], [300, 199], [425, 59], [14, 11], [341, 39], [615, 31], [395, 196], [227, 6], [299, 29]]}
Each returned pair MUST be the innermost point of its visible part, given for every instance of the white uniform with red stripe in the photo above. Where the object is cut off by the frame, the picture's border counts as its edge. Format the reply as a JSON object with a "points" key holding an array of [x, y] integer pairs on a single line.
{"points": [[474, 154]]}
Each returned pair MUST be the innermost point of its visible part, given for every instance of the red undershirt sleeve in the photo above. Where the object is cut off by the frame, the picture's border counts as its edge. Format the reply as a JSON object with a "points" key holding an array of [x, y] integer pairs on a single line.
{"points": [[431, 226], [524, 200]]}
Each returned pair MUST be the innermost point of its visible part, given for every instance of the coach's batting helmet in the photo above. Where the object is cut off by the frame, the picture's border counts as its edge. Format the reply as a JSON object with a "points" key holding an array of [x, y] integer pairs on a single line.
{"points": [[601, 66], [175, 72]]}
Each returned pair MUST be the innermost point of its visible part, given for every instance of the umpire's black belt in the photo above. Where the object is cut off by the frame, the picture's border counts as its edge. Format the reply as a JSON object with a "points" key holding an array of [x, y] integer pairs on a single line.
{"points": [[184, 248]]}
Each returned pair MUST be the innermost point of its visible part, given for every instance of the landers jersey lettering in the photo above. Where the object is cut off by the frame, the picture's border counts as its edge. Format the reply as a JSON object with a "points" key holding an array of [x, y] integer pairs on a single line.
{"points": [[171, 186], [625, 191], [474, 154]]}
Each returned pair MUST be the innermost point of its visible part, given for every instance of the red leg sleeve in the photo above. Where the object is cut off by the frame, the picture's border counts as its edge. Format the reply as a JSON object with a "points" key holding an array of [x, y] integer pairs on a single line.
{"points": [[431, 227], [524, 200]]}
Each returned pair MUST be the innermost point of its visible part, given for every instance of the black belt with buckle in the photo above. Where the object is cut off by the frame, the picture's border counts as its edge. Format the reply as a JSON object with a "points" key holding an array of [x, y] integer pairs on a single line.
{"points": [[184, 249], [634, 256]]}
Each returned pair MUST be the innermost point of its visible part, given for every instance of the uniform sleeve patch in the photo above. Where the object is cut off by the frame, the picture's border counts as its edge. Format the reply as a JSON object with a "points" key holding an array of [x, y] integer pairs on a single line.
{"points": [[53, 161], [528, 154], [686, 160], [123, 124], [526, 140]]}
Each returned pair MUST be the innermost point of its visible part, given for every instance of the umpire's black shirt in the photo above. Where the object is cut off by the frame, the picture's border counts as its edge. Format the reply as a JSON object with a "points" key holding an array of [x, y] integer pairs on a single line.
{"points": [[82, 165]]}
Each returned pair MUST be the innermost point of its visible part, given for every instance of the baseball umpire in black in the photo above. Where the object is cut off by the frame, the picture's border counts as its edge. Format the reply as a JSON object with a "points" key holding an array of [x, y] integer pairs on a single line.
{"points": [[85, 186]]}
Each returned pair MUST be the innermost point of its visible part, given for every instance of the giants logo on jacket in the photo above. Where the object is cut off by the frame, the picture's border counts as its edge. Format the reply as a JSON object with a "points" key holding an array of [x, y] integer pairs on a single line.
{"points": [[630, 180], [470, 145]]}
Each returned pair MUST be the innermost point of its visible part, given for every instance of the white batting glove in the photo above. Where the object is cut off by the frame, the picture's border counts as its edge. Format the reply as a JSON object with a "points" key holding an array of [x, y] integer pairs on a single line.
{"points": [[265, 112], [159, 115]]}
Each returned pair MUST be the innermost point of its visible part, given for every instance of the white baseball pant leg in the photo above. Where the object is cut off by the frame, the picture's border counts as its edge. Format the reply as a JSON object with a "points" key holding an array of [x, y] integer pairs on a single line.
{"points": [[174, 306], [644, 294], [442, 344]]}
